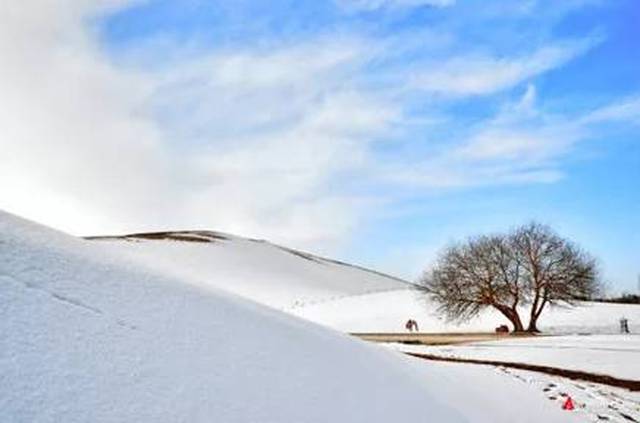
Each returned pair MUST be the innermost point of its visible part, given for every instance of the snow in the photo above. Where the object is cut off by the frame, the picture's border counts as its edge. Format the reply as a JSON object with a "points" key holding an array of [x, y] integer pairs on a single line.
{"points": [[496, 397], [346, 298], [89, 336], [613, 355], [388, 311], [593, 402], [264, 272]]}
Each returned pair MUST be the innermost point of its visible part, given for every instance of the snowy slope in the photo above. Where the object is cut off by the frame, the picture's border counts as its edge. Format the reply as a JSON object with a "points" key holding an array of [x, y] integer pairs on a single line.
{"points": [[89, 337], [335, 294], [280, 277]]}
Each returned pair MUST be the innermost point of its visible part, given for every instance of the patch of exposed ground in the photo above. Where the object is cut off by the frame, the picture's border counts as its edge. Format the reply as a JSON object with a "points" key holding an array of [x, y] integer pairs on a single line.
{"points": [[434, 338], [185, 236]]}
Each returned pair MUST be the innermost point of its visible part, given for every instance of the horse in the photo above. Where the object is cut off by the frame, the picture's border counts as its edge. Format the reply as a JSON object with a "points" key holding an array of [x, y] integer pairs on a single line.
{"points": [[411, 325]]}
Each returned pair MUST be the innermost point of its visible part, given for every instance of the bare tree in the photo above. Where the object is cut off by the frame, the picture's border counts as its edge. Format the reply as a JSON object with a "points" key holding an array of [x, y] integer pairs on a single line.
{"points": [[531, 266], [553, 269], [473, 276]]}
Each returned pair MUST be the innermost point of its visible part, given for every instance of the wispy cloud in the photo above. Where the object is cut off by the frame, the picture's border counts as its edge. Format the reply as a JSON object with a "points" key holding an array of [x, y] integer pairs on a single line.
{"points": [[625, 110], [520, 144], [246, 140], [475, 74]]}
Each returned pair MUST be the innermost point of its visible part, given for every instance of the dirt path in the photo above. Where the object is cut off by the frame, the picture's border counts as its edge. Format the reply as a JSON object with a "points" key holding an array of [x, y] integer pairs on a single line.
{"points": [[632, 385], [435, 338]]}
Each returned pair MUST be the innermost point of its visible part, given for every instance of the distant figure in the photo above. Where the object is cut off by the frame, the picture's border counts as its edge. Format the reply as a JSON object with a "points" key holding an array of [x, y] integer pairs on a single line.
{"points": [[624, 325], [411, 325], [502, 329]]}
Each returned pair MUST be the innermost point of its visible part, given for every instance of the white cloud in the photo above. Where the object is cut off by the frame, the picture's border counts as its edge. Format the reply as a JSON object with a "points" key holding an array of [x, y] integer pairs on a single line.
{"points": [[479, 74], [521, 144], [272, 132], [502, 144], [69, 121], [246, 141], [521, 133], [626, 110]]}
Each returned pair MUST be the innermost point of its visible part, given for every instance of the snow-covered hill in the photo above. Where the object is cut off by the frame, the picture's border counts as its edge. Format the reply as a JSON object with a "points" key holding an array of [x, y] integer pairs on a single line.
{"points": [[88, 336], [271, 274], [336, 294]]}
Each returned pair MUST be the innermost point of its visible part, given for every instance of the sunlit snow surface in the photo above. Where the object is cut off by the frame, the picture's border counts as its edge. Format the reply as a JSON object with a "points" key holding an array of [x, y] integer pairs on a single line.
{"points": [[277, 276], [614, 355], [88, 336]]}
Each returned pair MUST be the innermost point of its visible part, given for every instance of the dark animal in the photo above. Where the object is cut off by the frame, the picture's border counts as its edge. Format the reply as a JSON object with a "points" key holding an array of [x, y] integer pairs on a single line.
{"points": [[624, 325], [502, 329], [411, 325]]}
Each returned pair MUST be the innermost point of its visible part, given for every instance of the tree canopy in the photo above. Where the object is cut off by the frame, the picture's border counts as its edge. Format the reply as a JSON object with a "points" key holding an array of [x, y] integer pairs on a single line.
{"points": [[528, 268]]}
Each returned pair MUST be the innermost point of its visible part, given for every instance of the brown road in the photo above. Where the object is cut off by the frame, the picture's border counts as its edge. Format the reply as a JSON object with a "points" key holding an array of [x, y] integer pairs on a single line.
{"points": [[420, 338]]}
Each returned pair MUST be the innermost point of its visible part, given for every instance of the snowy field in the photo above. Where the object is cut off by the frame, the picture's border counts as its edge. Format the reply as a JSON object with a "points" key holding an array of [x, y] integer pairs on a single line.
{"points": [[346, 298], [593, 402], [387, 312], [613, 355], [89, 336]]}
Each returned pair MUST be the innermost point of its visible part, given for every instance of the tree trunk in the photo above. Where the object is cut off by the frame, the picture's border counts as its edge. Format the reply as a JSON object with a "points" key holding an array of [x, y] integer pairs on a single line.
{"points": [[512, 315], [534, 312], [533, 321], [517, 323]]}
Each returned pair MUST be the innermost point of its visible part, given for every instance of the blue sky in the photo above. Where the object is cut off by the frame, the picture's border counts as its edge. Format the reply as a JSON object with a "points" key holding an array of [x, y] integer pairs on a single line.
{"points": [[374, 130]]}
